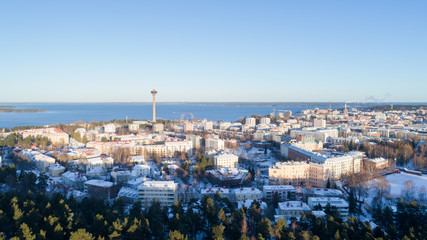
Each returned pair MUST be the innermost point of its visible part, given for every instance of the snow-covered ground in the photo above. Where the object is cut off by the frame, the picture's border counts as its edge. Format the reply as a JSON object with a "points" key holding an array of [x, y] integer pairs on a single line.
{"points": [[397, 181]]}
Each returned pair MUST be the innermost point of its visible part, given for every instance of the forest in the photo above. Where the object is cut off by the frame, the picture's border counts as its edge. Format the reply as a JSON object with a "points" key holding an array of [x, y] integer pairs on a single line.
{"points": [[36, 214]]}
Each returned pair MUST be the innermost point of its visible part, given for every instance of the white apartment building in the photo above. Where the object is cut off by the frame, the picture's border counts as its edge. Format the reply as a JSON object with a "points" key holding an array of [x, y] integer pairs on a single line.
{"points": [[225, 160], [344, 165], [110, 128], [250, 122], [141, 170], [43, 162], [196, 140], [188, 127], [247, 193], [207, 126], [323, 135], [319, 123], [265, 120], [99, 162], [74, 179], [168, 149], [294, 209], [163, 191], [56, 170], [55, 135], [134, 127], [339, 203], [158, 127], [214, 144], [283, 191]]}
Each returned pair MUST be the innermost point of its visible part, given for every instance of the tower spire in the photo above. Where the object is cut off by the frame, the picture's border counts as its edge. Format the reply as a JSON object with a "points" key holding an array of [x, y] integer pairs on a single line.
{"points": [[154, 92]]}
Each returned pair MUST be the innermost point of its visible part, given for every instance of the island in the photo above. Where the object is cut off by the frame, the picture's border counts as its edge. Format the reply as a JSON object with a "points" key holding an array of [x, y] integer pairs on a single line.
{"points": [[11, 109]]}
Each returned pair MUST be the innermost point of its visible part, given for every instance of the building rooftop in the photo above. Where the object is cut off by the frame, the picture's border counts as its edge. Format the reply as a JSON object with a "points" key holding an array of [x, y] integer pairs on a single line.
{"points": [[99, 183], [294, 205], [159, 184], [278, 187], [322, 191], [214, 190], [246, 190]]}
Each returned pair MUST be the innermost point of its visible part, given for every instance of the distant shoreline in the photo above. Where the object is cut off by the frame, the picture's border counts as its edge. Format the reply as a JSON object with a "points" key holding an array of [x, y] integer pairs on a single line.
{"points": [[11, 109]]}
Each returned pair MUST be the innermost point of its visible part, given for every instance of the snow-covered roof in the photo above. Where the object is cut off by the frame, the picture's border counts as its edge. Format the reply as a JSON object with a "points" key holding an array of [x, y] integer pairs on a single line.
{"points": [[278, 187], [99, 183], [293, 205], [247, 190]]}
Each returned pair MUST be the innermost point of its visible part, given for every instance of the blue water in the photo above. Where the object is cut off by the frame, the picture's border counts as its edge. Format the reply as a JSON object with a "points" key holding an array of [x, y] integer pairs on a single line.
{"points": [[72, 112]]}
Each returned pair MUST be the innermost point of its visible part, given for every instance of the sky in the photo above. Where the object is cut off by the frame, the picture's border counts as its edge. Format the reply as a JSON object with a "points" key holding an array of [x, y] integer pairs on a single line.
{"points": [[213, 51]]}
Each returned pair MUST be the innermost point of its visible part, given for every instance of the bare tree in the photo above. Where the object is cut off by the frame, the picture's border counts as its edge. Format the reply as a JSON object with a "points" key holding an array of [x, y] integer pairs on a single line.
{"points": [[408, 191]]}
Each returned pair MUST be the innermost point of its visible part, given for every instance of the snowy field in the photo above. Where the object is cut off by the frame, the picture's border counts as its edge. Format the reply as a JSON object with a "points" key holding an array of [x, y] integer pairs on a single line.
{"points": [[397, 181]]}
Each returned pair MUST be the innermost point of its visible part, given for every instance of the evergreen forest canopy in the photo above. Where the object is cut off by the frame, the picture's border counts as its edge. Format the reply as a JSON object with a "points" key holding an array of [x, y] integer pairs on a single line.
{"points": [[34, 215]]}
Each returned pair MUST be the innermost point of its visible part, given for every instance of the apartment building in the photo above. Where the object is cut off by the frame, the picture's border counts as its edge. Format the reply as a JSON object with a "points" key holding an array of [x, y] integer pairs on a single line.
{"points": [[285, 192], [56, 136], [43, 162], [294, 209], [214, 144], [225, 160], [195, 140], [163, 191], [339, 203], [250, 122], [247, 193], [323, 135], [168, 149], [211, 192]]}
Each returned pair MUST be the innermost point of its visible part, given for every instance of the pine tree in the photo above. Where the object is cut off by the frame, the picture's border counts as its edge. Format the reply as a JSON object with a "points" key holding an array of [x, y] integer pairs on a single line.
{"points": [[177, 235], [218, 232], [25, 232], [279, 228], [244, 237], [81, 234], [264, 227]]}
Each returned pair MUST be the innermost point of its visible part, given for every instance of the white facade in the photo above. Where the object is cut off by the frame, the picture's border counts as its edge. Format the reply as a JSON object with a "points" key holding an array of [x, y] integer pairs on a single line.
{"points": [[319, 123], [265, 120], [110, 128], [158, 127], [168, 149], [207, 126], [134, 127], [56, 170], [141, 170], [163, 191], [195, 140], [43, 162], [339, 203], [323, 135], [214, 144], [99, 162], [247, 193], [250, 121], [295, 209], [226, 160]]}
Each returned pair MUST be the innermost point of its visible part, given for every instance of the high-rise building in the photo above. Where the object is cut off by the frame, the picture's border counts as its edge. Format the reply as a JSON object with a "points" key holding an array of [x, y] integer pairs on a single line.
{"points": [[154, 92]]}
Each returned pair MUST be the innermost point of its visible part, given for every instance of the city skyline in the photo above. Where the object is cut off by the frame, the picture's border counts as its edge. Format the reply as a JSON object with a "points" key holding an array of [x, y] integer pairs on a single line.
{"points": [[213, 52]]}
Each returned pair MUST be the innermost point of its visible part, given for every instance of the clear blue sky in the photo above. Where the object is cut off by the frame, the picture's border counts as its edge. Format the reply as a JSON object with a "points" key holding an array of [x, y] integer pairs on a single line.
{"points": [[84, 51]]}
